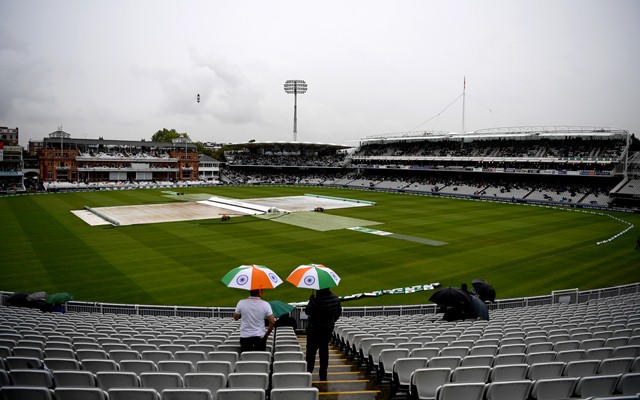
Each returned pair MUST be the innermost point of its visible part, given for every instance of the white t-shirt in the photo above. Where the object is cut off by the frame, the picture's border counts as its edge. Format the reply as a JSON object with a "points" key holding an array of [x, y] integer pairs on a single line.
{"points": [[253, 312]]}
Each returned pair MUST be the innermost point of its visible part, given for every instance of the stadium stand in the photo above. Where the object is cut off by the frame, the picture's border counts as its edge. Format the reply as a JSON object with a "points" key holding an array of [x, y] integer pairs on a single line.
{"points": [[607, 365]]}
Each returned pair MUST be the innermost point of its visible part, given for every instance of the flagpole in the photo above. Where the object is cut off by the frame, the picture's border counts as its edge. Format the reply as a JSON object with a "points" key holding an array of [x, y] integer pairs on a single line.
{"points": [[464, 89]]}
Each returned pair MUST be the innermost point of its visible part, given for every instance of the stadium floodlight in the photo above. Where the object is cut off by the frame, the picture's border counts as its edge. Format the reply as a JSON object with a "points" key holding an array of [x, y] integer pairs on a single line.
{"points": [[295, 87]]}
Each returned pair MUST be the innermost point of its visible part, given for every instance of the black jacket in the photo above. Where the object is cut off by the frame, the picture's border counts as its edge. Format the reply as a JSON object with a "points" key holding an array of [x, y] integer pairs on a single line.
{"points": [[323, 311]]}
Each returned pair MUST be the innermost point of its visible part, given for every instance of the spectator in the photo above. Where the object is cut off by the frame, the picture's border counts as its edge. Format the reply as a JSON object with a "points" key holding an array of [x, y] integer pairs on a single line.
{"points": [[252, 313], [323, 311]]}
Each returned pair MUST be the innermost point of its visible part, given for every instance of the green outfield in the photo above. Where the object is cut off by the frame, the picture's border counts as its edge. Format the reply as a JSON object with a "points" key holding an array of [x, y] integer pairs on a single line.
{"points": [[522, 250]]}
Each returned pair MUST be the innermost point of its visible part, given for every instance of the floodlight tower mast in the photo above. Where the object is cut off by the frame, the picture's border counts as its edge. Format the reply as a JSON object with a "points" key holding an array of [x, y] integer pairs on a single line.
{"points": [[295, 87]]}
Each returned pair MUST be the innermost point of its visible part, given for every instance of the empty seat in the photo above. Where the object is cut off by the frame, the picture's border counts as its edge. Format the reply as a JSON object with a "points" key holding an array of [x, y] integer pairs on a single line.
{"points": [[99, 365], [74, 378], [581, 368], [509, 390], [223, 367], [31, 377], [161, 380], [471, 374], [610, 366], [111, 379], [597, 385], [248, 380], [210, 380], [629, 383], [545, 370], [133, 394], [552, 389], [25, 392], [186, 394], [241, 394], [425, 382], [457, 391], [80, 393], [291, 379], [509, 372], [55, 364], [309, 393], [402, 369], [137, 366], [540, 357]]}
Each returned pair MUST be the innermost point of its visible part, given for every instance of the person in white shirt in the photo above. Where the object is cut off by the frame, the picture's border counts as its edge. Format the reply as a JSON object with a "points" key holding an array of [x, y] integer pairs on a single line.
{"points": [[252, 313]]}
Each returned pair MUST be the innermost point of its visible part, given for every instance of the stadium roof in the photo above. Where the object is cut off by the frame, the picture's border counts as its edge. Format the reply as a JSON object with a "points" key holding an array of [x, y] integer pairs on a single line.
{"points": [[290, 144], [523, 132]]}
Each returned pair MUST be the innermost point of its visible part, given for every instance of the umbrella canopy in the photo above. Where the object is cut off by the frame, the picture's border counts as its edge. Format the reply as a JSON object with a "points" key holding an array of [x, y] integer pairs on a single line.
{"points": [[479, 309], [484, 290], [251, 277], [313, 276], [59, 298], [280, 308], [451, 297]]}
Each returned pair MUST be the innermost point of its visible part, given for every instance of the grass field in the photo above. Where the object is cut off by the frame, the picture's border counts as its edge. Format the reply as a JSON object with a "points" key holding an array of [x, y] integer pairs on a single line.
{"points": [[522, 250]]}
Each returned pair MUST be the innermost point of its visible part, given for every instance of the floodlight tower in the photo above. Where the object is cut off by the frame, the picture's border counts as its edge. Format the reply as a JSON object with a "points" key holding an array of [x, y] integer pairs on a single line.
{"points": [[295, 87]]}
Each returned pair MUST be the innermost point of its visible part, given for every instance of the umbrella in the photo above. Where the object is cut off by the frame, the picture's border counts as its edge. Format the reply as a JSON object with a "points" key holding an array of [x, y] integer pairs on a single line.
{"points": [[451, 297], [479, 309], [313, 276], [59, 298], [37, 296], [280, 308], [251, 277], [485, 291]]}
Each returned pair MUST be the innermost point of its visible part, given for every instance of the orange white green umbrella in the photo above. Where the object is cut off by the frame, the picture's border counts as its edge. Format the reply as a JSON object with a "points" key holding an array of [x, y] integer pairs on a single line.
{"points": [[313, 276], [251, 277]]}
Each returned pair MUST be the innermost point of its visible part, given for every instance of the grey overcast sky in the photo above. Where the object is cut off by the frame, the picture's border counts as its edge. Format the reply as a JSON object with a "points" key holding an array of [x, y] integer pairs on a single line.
{"points": [[124, 69]]}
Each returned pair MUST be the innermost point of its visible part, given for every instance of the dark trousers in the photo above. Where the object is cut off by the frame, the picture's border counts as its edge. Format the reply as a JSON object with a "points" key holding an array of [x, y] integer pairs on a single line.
{"points": [[253, 343], [318, 342]]}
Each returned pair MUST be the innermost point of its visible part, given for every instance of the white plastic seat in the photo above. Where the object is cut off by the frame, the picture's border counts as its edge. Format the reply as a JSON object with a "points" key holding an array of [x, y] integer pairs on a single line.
{"points": [[471, 375], [308, 393], [401, 373], [222, 367], [190, 355], [133, 394], [477, 361], [488, 350], [513, 358], [629, 383], [255, 356], [425, 352], [570, 355], [610, 366], [508, 390], [597, 385], [509, 372], [540, 357], [31, 377], [138, 366], [258, 380], [210, 380], [252, 366], [445, 362], [79, 393], [179, 366], [581, 368], [156, 355], [289, 366], [454, 351], [241, 394], [291, 379], [98, 365], [220, 355], [386, 360], [110, 379], [25, 392], [457, 391], [186, 394], [425, 382], [74, 378], [288, 356], [545, 370], [161, 380], [552, 389]]}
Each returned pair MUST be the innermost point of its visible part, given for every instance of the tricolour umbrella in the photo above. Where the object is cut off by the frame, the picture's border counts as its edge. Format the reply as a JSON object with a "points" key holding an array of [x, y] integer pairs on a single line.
{"points": [[251, 277], [280, 308], [313, 276], [484, 290]]}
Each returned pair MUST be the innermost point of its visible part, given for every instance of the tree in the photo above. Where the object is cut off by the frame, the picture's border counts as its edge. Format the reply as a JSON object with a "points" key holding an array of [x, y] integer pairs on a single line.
{"points": [[166, 135]]}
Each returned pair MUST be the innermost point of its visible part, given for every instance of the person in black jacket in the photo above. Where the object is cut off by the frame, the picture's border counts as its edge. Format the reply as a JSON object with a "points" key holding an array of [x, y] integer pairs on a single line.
{"points": [[323, 311]]}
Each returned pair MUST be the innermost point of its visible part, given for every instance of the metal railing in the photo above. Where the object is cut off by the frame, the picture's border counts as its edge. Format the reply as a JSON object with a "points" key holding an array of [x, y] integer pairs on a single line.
{"points": [[568, 296]]}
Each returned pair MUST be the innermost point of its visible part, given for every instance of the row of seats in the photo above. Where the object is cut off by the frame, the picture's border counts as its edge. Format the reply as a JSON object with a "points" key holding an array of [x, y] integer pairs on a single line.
{"points": [[434, 384], [41, 393]]}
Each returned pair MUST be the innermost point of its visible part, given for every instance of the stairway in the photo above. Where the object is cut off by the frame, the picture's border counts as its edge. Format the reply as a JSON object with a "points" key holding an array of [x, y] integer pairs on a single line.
{"points": [[345, 379]]}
